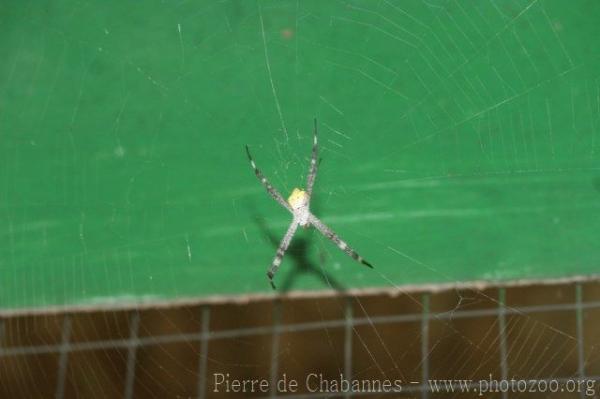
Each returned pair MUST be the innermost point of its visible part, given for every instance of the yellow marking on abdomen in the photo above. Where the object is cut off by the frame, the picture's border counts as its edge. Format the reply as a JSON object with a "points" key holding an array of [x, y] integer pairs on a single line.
{"points": [[297, 197]]}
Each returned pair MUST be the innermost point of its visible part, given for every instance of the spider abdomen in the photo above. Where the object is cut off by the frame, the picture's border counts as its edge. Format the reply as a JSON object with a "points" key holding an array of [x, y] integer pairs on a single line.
{"points": [[299, 200]]}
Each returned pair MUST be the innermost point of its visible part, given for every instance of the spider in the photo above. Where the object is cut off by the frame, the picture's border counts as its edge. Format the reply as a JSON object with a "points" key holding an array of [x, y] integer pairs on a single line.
{"points": [[298, 205]]}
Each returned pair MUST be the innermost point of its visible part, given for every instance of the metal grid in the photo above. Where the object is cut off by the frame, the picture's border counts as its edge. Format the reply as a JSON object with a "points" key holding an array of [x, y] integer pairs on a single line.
{"points": [[348, 323]]}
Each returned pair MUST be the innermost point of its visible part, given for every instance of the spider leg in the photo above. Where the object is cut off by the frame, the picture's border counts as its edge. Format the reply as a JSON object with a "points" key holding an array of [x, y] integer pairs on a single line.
{"points": [[270, 189], [341, 244], [283, 246], [312, 173]]}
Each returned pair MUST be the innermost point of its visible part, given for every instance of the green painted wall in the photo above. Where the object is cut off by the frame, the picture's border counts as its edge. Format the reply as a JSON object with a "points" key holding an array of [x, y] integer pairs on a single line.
{"points": [[460, 141]]}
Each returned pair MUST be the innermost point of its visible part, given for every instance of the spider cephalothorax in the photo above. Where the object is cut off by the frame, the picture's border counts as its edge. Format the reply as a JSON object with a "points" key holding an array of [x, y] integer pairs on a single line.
{"points": [[298, 204]]}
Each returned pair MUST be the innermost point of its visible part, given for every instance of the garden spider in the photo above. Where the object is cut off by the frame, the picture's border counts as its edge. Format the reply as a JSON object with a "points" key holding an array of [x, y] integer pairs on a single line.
{"points": [[298, 205]]}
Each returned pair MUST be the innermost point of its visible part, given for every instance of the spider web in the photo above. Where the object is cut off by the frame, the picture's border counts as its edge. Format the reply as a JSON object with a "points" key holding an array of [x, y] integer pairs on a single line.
{"points": [[459, 143]]}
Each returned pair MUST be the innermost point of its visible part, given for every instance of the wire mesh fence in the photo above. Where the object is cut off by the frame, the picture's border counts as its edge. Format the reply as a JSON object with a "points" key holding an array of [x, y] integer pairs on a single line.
{"points": [[459, 337]]}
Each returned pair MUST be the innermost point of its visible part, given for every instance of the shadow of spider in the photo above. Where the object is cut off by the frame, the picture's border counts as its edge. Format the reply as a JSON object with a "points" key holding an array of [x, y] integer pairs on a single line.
{"points": [[298, 253]]}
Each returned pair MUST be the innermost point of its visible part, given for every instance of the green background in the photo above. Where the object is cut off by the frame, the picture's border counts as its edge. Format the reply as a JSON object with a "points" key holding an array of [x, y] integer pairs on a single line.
{"points": [[459, 141]]}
